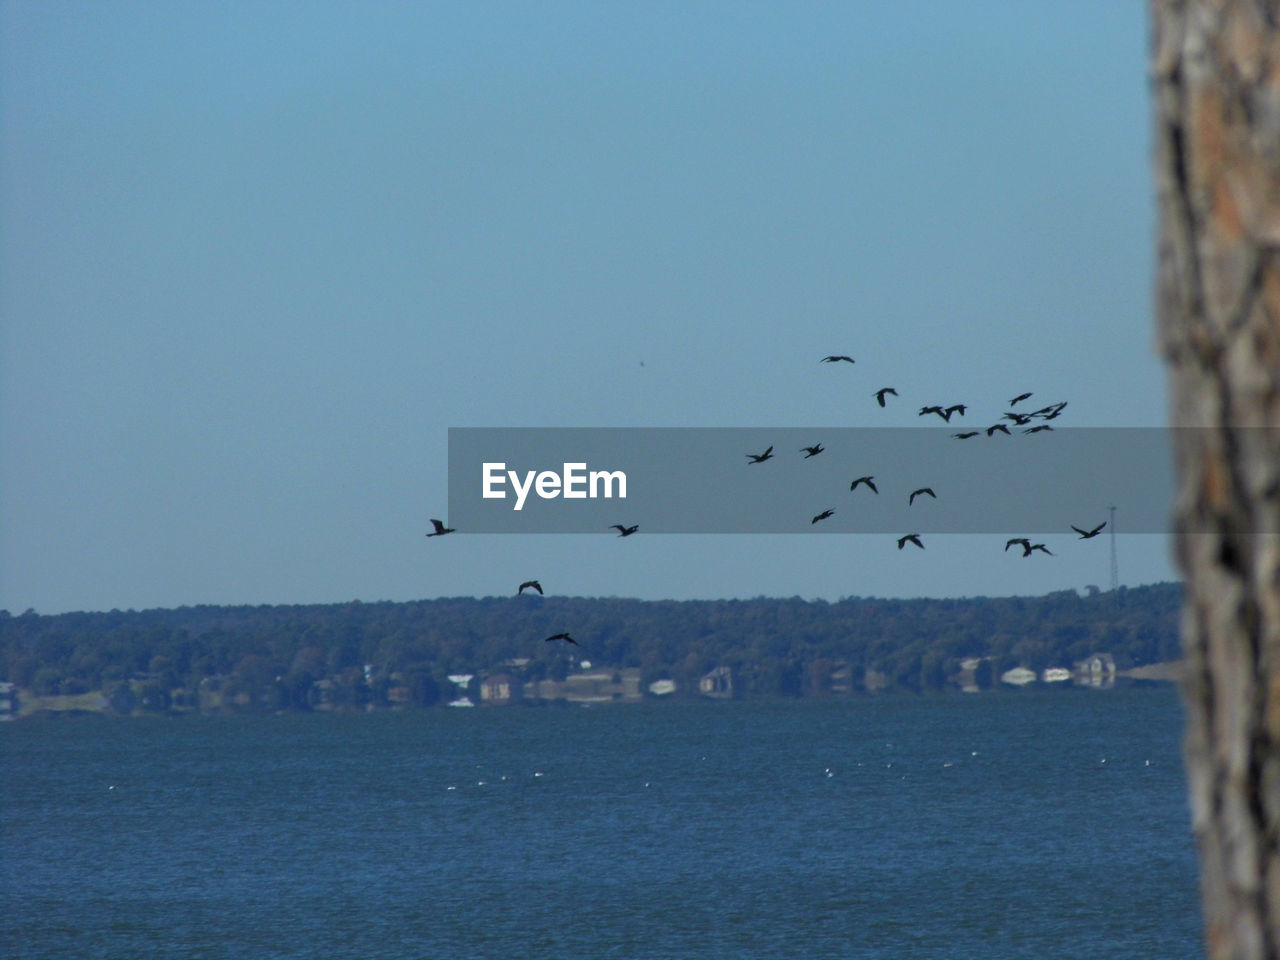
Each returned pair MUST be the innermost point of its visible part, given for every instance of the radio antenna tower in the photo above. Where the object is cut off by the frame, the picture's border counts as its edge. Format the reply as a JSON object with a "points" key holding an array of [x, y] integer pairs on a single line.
{"points": [[1115, 565]]}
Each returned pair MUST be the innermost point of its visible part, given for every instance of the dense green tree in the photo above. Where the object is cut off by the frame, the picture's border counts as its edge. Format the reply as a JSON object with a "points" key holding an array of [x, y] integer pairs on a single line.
{"points": [[268, 657]]}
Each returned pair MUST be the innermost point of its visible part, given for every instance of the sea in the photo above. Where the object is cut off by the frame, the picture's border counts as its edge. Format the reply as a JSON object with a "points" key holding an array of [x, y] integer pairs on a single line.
{"points": [[1029, 824]]}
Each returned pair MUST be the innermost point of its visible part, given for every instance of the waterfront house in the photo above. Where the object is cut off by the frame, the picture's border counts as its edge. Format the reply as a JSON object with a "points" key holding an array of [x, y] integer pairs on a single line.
{"points": [[1018, 677], [718, 683], [1096, 670], [589, 686], [499, 689], [660, 688]]}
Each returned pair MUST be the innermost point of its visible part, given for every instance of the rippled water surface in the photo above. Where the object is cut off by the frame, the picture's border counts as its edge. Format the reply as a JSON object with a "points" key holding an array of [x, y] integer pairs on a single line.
{"points": [[1037, 825]]}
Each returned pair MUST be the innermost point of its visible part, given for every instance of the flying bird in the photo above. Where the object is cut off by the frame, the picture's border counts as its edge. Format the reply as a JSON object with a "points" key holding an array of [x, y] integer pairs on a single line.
{"points": [[823, 515], [1038, 546], [562, 636], [812, 451], [1038, 428], [1022, 541], [530, 583], [1018, 418], [760, 457], [937, 410], [869, 481], [835, 359], [1051, 411], [441, 529], [1087, 534], [1019, 398], [998, 426], [915, 493], [625, 531], [959, 408], [882, 391], [910, 538], [966, 435]]}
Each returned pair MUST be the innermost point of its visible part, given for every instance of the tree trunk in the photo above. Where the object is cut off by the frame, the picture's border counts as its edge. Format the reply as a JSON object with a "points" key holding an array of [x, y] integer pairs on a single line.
{"points": [[1216, 80]]}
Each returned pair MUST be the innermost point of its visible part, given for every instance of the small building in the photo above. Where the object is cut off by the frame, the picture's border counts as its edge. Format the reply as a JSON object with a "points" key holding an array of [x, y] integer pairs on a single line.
{"points": [[1096, 670], [589, 686], [499, 689], [320, 697], [602, 686], [399, 695], [874, 680], [1018, 677], [840, 680], [718, 683], [967, 677], [461, 696]]}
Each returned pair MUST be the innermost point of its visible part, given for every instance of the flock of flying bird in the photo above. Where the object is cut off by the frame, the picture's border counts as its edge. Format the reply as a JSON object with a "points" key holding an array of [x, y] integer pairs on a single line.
{"points": [[1016, 418]]}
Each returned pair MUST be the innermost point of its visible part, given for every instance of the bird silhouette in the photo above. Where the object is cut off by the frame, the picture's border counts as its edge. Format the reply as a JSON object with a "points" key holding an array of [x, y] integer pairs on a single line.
{"points": [[938, 410], [1087, 534], [1019, 398], [834, 358], [1020, 419], [882, 391], [760, 457], [910, 538], [1038, 428], [1022, 541], [959, 408], [915, 493], [812, 451], [997, 426], [530, 583], [625, 531], [1038, 546], [441, 529], [823, 515], [966, 435], [562, 636], [869, 481]]}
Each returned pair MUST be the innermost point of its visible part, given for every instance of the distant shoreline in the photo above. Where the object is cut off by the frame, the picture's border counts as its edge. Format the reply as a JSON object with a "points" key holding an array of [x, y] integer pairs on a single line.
{"points": [[495, 651], [96, 704]]}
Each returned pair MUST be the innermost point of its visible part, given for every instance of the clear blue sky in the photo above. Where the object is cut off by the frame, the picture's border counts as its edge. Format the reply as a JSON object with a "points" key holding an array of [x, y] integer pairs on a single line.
{"points": [[257, 258]]}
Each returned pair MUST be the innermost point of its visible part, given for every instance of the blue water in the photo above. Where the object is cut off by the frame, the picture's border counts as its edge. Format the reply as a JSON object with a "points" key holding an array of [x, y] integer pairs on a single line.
{"points": [[1040, 825]]}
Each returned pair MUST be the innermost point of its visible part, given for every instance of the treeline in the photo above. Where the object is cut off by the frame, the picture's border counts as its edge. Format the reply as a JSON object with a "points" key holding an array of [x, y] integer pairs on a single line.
{"points": [[361, 653]]}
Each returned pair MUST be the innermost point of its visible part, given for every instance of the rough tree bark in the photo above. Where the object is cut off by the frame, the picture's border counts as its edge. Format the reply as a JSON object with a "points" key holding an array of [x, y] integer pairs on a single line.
{"points": [[1216, 80]]}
